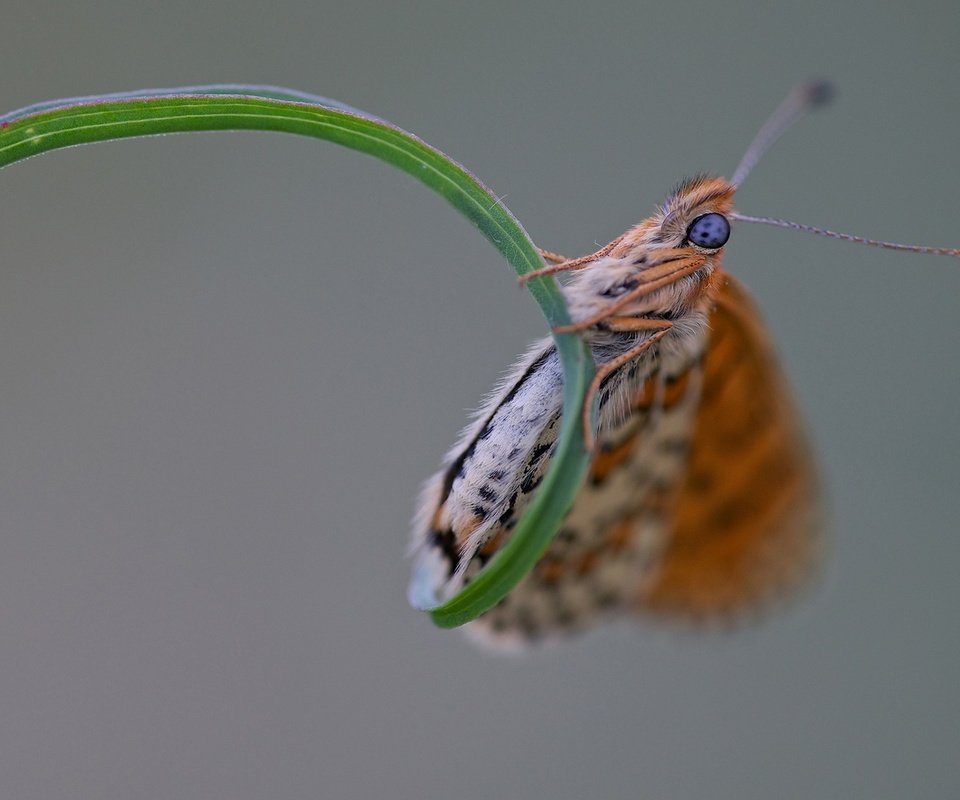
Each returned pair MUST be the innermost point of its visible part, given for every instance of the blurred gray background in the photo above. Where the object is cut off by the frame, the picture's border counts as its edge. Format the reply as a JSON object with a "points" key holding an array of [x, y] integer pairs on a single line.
{"points": [[230, 359]]}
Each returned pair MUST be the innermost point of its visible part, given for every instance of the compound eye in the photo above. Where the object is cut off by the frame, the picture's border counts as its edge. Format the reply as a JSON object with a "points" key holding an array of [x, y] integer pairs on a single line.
{"points": [[709, 231]]}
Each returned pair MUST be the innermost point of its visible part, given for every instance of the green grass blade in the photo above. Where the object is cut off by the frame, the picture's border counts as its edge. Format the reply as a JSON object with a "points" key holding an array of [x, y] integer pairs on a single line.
{"points": [[65, 123], [234, 89]]}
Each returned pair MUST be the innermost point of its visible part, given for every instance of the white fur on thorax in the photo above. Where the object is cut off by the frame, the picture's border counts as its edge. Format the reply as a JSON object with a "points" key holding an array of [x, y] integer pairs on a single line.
{"points": [[591, 291]]}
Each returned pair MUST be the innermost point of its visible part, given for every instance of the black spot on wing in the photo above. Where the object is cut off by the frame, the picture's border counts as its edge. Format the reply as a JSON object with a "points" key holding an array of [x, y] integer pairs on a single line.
{"points": [[538, 453], [675, 445], [605, 599], [527, 623], [456, 469], [530, 482], [487, 493], [446, 543]]}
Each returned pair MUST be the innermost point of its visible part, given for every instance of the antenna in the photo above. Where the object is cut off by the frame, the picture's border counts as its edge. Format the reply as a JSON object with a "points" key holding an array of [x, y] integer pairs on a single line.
{"points": [[800, 102], [847, 237]]}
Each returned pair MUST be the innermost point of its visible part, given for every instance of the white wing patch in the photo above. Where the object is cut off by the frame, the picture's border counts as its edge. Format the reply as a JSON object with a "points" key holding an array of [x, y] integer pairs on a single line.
{"points": [[612, 538], [613, 534]]}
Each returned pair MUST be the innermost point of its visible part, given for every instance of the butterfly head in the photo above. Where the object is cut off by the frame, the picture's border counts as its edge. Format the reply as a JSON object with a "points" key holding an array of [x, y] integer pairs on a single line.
{"points": [[662, 267], [694, 219], [696, 215]]}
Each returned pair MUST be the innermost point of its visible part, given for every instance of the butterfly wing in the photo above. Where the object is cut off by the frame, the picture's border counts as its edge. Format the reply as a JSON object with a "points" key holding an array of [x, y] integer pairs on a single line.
{"points": [[701, 504], [746, 525], [617, 527]]}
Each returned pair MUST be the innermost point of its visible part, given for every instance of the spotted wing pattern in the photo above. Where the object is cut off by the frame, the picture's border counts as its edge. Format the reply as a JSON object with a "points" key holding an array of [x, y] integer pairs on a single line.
{"points": [[701, 506], [617, 526], [746, 525]]}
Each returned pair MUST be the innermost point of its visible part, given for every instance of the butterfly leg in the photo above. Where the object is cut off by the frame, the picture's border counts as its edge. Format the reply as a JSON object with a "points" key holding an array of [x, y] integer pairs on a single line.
{"points": [[631, 324], [626, 324], [564, 266], [549, 255], [661, 275]]}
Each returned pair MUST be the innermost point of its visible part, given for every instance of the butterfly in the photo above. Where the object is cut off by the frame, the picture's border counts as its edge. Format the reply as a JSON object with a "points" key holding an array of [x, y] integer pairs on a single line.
{"points": [[702, 500]]}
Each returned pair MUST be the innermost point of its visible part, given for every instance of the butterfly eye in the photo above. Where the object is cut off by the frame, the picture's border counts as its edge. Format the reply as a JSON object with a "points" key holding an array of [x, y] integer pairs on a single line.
{"points": [[709, 231]]}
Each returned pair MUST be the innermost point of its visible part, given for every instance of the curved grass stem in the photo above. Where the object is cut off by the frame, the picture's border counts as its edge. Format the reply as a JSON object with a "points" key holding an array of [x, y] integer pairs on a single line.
{"points": [[52, 125]]}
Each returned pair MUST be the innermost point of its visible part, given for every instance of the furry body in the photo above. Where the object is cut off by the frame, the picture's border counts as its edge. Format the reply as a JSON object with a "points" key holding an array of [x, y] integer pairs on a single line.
{"points": [[646, 306]]}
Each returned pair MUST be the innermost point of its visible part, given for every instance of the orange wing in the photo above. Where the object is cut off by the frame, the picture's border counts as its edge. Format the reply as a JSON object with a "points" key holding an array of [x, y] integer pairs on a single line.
{"points": [[747, 522]]}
